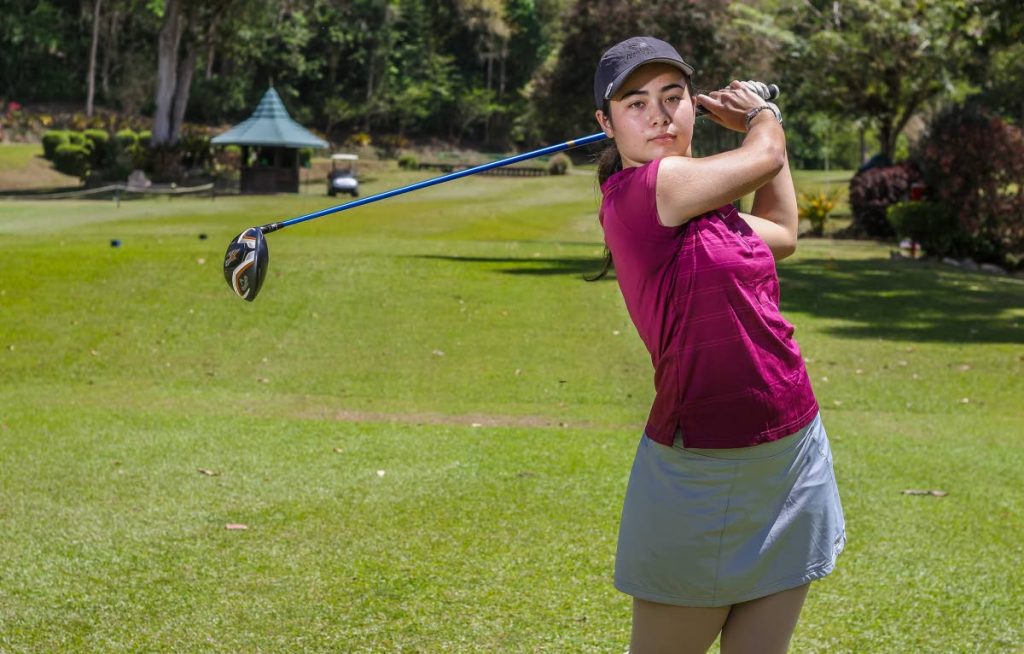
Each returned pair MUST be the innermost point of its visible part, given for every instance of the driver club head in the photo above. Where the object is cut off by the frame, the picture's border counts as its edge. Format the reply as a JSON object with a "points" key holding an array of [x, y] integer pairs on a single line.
{"points": [[245, 263]]}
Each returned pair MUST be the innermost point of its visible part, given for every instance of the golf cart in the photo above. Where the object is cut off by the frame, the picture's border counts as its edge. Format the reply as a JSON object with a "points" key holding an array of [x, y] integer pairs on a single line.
{"points": [[342, 178]]}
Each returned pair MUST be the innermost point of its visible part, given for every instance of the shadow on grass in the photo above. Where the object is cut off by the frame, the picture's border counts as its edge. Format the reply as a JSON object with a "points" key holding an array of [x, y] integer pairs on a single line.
{"points": [[905, 301], [872, 298], [543, 266]]}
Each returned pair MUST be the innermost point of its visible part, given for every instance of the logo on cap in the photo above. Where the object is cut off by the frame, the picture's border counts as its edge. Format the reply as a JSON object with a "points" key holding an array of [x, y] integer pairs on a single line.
{"points": [[636, 50]]}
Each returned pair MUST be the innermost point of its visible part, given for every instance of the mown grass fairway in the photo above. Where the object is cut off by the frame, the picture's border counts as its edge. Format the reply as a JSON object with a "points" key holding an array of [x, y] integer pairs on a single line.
{"points": [[427, 420], [23, 167]]}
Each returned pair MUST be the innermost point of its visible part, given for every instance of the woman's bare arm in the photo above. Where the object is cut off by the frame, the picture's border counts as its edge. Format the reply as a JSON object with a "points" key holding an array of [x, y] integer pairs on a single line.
{"points": [[774, 215], [689, 187]]}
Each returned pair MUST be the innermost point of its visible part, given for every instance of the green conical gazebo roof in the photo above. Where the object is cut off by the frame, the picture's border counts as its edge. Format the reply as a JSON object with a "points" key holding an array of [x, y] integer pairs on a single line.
{"points": [[270, 125]]}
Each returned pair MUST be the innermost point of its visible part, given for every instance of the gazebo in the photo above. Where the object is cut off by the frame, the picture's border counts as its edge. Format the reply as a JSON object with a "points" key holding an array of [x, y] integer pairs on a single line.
{"points": [[275, 140]]}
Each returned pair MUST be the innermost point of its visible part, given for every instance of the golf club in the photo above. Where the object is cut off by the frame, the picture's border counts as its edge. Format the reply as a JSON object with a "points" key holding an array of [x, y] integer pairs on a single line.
{"points": [[248, 257]]}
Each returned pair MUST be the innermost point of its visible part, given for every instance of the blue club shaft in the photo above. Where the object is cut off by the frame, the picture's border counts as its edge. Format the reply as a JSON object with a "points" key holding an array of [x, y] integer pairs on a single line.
{"points": [[773, 92], [551, 149]]}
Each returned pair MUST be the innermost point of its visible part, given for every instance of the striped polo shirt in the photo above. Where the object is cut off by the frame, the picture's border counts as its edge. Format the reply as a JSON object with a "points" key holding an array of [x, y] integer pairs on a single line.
{"points": [[704, 297]]}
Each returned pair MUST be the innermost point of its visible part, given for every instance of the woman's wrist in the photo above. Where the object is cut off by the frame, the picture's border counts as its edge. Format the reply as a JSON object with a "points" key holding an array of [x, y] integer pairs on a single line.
{"points": [[768, 107]]}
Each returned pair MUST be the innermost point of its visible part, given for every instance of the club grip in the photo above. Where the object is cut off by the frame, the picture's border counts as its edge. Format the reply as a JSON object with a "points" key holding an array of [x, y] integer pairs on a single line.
{"points": [[767, 91]]}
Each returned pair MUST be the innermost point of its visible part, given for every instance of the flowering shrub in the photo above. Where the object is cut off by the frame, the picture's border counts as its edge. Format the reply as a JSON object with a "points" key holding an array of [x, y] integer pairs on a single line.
{"points": [[973, 163], [359, 140], [871, 193], [816, 208], [14, 123]]}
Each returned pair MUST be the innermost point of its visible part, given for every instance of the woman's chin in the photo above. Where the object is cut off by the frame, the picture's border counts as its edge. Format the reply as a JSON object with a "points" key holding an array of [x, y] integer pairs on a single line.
{"points": [[668, 149]]}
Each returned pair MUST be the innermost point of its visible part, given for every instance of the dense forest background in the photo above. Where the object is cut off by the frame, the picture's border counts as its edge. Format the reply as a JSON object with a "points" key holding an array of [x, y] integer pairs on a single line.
{"points": [[502, 74]]}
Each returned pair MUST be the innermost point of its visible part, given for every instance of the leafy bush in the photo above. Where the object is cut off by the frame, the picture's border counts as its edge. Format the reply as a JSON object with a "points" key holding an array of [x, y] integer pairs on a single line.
{"points": [[871, 193], [933, 225], [96, 141], [816, 208], [126, 139], [408, 162], [75, 138], [51, 140], [96, 136], [305, 157], [145, 136], [973, 163], [559, 164], [227, 161], [194, 148], [72, 159]]}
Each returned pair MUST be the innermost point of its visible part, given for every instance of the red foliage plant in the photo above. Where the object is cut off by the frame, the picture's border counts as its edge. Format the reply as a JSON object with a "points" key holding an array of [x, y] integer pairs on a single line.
{"points": [[973, 162], [871, 193]]}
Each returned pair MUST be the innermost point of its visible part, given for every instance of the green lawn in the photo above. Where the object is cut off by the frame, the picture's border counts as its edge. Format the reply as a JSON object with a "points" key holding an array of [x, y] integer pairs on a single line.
{"points": [[426, 422], [22, 167]]}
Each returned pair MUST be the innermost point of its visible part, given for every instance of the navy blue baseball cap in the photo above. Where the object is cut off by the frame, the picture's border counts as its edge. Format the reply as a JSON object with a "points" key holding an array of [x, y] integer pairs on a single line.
{"points": [[623, 58]]}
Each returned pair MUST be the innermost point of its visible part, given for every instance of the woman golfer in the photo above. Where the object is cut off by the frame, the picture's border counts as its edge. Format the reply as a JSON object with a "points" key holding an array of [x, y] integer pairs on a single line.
{"points": [[732, 507]]}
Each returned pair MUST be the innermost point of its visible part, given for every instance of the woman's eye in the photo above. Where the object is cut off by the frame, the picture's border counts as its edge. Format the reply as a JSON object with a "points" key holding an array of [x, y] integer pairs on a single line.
{"points": [[637, 105], [674, 98]]}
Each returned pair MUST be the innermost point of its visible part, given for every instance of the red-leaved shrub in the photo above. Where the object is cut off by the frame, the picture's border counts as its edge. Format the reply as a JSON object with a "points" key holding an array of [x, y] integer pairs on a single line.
{"points": [[871, 193], [973, 163]]}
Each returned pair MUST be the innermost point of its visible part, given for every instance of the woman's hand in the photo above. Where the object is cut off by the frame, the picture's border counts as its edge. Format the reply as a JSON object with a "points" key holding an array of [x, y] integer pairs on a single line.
{"points": [[729, 106]]}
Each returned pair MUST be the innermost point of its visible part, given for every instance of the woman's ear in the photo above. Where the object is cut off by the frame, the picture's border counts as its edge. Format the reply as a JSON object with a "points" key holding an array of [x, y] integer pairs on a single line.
{"points": [[605, 123]]}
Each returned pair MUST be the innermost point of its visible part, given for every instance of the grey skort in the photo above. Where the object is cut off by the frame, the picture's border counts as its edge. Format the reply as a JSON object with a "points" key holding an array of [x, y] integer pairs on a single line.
{"points": [[714, 527]]}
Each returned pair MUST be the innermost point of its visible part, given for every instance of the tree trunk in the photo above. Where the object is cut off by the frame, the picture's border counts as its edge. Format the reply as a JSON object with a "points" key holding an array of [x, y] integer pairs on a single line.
{"points": [[369, 96], [501, 74], [887, 138], [181, 91], [109, 52], [211, 40], [166, 71], [91, 79], [209, 61]]}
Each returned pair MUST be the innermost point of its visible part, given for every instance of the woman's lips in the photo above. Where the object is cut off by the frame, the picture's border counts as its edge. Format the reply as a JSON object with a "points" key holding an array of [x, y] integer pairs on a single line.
{"points": [[664, 138]]}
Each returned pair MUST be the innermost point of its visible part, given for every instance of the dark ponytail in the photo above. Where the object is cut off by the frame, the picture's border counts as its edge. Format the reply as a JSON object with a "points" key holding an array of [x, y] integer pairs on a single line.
{"points": [[608, 163]]}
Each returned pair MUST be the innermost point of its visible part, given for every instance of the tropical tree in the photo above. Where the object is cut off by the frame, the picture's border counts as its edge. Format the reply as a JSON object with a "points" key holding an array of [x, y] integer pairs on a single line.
{"points": [[880, 61], [562, 92]]}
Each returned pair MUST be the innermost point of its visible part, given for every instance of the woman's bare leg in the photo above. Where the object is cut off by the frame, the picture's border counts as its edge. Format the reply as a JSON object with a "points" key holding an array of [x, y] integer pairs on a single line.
{"points": [[763, 625], [666, 629]]}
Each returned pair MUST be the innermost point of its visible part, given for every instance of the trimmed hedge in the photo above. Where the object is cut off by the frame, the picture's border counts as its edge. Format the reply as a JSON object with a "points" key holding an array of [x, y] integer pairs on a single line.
{"points": [[97, 141], [126, 138], [51, 140], [72, 159]]}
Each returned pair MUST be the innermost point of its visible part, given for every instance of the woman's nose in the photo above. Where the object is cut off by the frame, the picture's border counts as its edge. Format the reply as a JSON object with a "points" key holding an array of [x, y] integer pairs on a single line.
{"points": [[661, 115]]}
